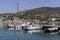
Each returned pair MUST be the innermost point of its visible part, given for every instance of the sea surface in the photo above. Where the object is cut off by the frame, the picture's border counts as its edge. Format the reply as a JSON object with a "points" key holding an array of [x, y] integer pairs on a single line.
{"points": [[20, 35], [6, 34]]}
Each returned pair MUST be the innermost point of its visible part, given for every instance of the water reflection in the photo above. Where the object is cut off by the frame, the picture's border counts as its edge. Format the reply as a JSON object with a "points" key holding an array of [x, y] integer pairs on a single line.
{"points": [[24, 35], [6, 34], [17, 34], [32, 31]]}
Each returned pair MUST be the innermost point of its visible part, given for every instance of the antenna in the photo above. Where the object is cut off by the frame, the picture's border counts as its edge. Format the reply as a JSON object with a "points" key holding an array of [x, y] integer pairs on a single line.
{"points": [[17, 7]]}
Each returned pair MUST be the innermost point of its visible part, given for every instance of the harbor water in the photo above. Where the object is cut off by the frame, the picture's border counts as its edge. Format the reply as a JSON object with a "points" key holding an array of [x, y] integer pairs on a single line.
{"points": [[20, 35], [6, 34]]}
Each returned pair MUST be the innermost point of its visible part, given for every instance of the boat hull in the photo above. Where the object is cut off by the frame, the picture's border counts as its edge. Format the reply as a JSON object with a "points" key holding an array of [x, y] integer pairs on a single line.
{"points": [[31, 28]]}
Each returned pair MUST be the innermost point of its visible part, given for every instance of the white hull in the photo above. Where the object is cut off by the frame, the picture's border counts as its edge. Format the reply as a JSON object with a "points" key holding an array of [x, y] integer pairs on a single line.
{"points": [[18, 28], [31, 28], [11, 26], [51, 29], [14, 27]]}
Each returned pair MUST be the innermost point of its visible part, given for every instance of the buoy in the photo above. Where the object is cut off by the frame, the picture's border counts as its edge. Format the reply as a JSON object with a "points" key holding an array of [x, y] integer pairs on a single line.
{"points": [[46, 35]]}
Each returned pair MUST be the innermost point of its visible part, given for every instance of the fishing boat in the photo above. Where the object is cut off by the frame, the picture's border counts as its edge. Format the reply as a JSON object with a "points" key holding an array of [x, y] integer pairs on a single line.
{"points": [[18, 27], [50, 28], [11, 27], [32, 27], [14, 27]]}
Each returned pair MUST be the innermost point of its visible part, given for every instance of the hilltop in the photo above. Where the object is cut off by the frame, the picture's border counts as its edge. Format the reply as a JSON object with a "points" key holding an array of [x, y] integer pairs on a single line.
{"points": [[41, 13]]}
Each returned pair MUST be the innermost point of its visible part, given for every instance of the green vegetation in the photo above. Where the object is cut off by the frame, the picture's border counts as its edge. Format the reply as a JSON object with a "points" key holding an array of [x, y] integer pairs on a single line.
{"points": [[42, 13]]}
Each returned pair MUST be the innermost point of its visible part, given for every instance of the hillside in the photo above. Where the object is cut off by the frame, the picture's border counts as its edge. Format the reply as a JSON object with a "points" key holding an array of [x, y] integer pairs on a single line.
{"points": [[41, 13]]}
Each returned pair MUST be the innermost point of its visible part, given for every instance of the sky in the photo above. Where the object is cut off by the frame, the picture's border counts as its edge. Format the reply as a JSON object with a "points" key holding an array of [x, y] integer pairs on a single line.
{"points": [[10, 6]]}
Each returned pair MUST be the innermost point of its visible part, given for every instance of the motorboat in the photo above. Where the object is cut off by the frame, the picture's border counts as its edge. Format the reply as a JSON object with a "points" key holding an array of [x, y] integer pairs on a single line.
{"points": [[50, 28], [11, 27], [14, 27], [32, 27], [18, 27]]}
